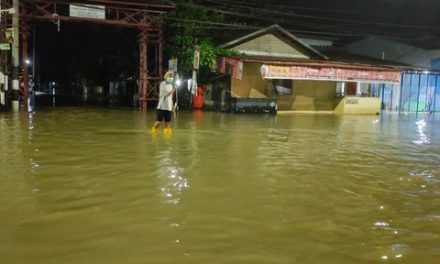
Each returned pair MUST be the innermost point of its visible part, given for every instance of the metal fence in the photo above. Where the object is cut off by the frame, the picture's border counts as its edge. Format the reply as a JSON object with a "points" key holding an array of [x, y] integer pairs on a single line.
{"points": [[420, 92]]}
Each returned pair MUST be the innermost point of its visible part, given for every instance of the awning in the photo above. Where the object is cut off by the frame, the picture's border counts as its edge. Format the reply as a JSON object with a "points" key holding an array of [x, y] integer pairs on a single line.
{"points": [[321, 73]]}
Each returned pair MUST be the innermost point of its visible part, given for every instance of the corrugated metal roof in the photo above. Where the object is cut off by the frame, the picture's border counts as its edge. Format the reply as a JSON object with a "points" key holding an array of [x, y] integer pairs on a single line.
{"points": [[319, 58], [282, 34]]}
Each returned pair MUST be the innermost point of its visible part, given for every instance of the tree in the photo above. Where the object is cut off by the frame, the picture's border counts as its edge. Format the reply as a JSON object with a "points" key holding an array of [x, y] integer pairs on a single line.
{"points": [[191, 25]]}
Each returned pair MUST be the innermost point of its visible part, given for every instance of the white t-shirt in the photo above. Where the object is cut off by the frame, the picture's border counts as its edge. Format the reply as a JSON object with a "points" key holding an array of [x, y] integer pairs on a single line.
{"points": [[165, 102]]}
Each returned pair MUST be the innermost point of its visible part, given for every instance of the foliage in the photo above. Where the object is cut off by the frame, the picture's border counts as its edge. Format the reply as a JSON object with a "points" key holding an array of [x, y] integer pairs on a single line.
{"points": [[186, 31]]}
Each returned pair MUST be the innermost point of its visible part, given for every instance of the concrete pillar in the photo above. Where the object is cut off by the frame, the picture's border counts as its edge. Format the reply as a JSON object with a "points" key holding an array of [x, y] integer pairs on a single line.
{"points": [[2, 90], [15, 57], [358, 89], [25, 59], [3, 76]]}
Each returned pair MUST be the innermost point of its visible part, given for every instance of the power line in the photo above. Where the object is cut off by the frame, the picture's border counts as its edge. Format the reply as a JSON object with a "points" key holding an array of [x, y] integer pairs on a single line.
{"points": [[209, 22], [337, 30], [227, 26], [271, 19], [313, 28], [278, 13]]}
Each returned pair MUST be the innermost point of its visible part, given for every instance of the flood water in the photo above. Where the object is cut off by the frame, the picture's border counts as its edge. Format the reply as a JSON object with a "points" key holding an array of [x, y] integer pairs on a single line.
{"points": [[88, 185]]}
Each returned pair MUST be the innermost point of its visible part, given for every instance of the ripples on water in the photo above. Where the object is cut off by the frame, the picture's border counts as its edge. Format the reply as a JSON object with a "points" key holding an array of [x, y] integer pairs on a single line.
{"points": [[94, 186]]}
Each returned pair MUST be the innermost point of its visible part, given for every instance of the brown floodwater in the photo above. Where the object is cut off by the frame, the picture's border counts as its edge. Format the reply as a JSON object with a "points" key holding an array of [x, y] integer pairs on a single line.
{"points": [[90, 185]]}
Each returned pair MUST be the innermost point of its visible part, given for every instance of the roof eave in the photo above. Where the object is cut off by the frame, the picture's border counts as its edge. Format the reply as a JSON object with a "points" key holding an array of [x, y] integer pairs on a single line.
{"points": [[274, 29]]}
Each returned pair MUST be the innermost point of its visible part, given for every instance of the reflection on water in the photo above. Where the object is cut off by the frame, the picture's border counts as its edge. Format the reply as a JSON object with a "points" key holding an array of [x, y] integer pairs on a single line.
{"points": [[84, 185], [170, 175], [422, 137]]}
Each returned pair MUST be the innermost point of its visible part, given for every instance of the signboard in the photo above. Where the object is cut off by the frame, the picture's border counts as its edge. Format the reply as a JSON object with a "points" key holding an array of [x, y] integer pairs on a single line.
{"points": [[328, 73], [5, 46], [172, 64], [196, 61], [9, 35], [87, 11]]}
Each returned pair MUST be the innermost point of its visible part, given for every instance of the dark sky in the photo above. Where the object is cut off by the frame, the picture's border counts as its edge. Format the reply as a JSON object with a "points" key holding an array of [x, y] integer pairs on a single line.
{"points": [[414, 22]]}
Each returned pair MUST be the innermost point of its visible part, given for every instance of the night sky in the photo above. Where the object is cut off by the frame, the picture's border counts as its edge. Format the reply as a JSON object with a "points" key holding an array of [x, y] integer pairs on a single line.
{"points": [[106, 53], [415, 22], [95, 52]]}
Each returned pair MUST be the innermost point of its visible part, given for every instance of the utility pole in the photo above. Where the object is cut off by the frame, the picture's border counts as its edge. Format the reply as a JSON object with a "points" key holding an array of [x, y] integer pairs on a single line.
{"points": [[4, 46], [34, 60], [15, 57], [196, 64], [2, 75]]}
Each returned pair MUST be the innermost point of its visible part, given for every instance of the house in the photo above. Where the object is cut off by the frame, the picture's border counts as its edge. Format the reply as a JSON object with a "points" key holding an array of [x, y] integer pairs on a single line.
{"points": [[385, 49], [420, 87], [276, 71]]}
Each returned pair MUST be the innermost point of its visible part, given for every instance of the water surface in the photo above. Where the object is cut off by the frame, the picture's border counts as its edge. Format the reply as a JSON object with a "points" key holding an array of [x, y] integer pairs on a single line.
{"points": [[86, 185]]}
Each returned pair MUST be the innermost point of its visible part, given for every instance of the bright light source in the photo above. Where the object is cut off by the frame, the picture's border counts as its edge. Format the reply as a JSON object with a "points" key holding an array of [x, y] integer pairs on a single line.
{"points": [[53, 83], [178, 82], [27, 61]]}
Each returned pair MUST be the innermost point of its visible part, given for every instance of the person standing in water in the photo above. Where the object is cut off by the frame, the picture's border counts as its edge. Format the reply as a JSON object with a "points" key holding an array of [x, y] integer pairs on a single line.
{"points": [[165, 103]]}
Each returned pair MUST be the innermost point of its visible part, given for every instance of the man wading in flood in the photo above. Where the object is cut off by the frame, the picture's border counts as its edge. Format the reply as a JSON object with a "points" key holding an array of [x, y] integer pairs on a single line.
{"points": [[165, 104]]}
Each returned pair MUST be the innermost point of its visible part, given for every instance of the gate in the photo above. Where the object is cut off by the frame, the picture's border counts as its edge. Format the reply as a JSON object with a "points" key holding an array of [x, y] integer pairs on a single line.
{"points": [[131, 14]]}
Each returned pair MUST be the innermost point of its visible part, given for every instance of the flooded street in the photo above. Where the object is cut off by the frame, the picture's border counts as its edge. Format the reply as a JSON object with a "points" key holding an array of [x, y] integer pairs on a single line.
{"points": [[89, 185]]}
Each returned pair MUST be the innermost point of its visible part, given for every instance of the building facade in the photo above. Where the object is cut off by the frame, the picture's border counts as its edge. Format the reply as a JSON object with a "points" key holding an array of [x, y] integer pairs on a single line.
{"points": [[275, 71]]}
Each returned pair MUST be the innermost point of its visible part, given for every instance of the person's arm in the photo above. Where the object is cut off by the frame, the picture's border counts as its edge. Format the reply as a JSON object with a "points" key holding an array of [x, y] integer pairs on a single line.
{"points": [[162, 90], [171, 91]]}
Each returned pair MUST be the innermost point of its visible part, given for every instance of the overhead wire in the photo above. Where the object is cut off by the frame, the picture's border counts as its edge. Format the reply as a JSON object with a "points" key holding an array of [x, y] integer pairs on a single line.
{"points": [[307, 27], [272, 19], [227, 26], [278, 13], [336, 30]]}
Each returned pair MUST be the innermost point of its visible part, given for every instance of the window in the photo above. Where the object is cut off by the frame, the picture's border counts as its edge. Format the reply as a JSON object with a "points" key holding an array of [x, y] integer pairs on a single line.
{"points": [[282, 86]]}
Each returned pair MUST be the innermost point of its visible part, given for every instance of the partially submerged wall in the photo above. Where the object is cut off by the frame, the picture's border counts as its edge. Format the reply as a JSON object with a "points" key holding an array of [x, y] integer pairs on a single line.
{"points": [[309, 96]]}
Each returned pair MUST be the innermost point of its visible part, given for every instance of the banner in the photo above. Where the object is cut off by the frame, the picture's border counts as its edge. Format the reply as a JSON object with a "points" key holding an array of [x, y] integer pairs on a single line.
{"points": [[328, 73], [231, 66]]}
